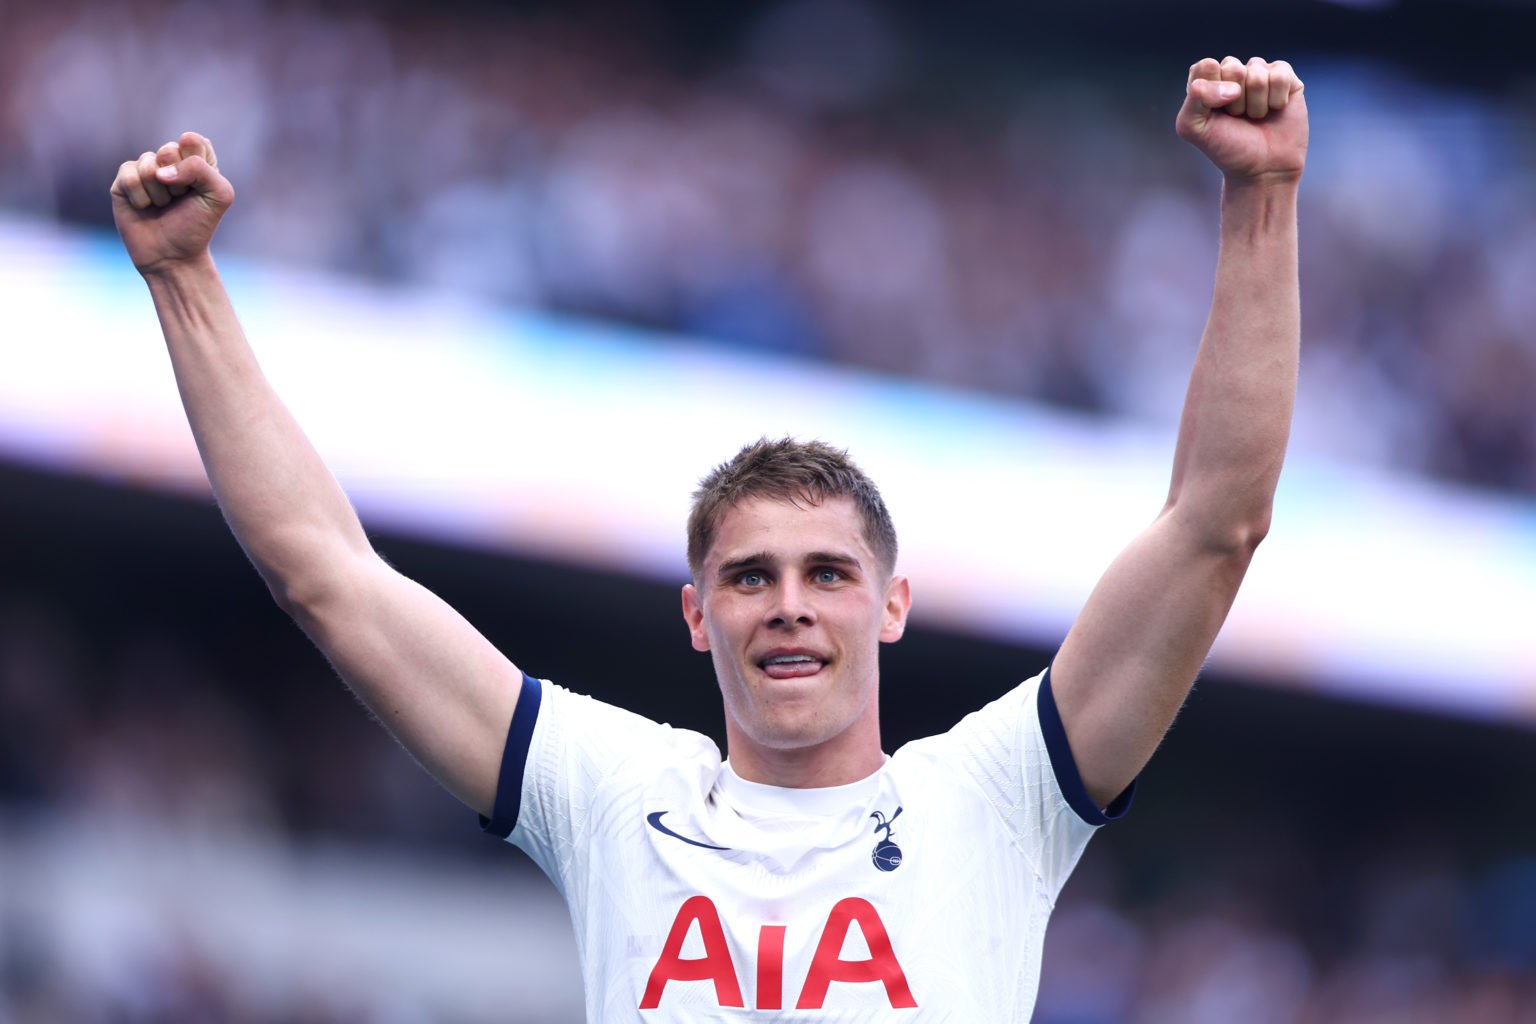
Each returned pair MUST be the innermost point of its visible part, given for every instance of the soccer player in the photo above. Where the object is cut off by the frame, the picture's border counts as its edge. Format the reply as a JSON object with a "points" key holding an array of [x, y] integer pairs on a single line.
{"points": [[810, 874]]}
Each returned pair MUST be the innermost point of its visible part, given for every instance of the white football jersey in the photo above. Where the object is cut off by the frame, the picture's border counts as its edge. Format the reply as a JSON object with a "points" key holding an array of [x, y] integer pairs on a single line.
{"points": [[918, 894]]}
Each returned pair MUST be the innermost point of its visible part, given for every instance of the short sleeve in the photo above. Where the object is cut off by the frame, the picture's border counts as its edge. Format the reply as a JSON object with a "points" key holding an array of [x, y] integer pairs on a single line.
{"points": [[561, 747], [1015, 749]]}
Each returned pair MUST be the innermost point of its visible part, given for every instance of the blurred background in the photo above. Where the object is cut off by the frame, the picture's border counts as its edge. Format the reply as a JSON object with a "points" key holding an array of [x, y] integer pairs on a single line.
{"points": [[526, 270]]}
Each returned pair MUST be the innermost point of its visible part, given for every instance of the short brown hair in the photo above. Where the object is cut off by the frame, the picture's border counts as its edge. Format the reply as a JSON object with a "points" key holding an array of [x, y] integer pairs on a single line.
{"points": [[789, 470]]}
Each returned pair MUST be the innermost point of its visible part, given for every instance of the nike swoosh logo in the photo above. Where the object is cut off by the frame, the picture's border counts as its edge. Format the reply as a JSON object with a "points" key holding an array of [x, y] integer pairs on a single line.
{"points": [[654, 820]]}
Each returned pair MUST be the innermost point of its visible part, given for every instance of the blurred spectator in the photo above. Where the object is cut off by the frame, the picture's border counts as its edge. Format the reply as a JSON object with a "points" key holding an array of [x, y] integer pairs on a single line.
{"points": [[826, 188]]}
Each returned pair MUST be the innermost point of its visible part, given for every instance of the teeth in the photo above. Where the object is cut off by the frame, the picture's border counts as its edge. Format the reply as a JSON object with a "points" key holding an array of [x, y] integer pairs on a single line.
{"points": [[786, 659]]}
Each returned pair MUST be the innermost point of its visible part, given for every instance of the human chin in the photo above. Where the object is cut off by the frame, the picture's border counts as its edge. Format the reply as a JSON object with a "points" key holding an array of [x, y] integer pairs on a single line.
{"points": [[782, 728], [782, 712]]}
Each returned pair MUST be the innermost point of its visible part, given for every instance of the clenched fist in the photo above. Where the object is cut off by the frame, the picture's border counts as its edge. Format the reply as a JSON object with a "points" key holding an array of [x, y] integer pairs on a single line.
{"points": [[168, 203], [1249, 119]]}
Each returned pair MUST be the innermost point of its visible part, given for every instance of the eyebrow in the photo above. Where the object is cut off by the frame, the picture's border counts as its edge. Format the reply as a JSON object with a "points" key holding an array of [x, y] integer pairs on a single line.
{"points": [[764, 558]]}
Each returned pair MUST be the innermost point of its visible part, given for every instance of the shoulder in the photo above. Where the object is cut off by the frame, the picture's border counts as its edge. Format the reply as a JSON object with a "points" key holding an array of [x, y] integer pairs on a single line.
{"points": [[564, 749], [1007, 720], [594, 728], [561, 705], [1015, 749]]}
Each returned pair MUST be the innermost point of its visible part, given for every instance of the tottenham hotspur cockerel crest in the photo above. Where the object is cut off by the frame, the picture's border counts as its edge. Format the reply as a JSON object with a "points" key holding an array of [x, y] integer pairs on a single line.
{"points": [[887, 855]]}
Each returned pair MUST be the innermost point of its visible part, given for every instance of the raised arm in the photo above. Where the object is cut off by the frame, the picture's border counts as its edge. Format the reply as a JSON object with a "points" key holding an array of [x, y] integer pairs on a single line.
{"points": [[1131, 657], [439, 686]]}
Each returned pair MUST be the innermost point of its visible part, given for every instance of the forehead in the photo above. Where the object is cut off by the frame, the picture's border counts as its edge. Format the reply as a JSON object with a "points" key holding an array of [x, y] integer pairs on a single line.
{"points": [[786, 530]]}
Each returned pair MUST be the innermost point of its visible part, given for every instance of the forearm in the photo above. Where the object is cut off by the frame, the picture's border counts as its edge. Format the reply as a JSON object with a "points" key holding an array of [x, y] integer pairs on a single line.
{"points": [[282, 503], [1237, 413]]}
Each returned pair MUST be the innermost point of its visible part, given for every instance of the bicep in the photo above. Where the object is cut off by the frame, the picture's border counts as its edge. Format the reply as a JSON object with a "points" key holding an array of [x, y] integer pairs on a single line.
{"points": [[439, 686], [1132, 655]]}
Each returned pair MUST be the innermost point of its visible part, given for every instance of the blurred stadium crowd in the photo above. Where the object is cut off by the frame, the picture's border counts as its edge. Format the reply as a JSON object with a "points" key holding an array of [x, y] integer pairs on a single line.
{"points": [[819, 186]]}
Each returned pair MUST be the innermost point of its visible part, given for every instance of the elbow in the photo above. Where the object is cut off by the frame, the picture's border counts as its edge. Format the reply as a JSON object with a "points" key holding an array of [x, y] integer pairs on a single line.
{"points": [[1250, 532], [285, 596], [305, 602], [1226, 510], [304, 596], [290, 596], [305, 575], [1237, 534]]}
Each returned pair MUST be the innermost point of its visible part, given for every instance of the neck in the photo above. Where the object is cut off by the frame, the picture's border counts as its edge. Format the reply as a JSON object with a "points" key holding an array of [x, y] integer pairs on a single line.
{"points": [[853, 755]]}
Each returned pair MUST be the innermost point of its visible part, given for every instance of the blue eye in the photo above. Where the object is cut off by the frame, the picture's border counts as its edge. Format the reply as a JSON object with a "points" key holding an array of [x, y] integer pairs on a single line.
{"points": [[751, 579], [828, 575]]}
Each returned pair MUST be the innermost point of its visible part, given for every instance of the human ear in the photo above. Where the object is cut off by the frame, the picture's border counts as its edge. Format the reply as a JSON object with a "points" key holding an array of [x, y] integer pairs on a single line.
{"points": [[693, 615], [898, 602]]}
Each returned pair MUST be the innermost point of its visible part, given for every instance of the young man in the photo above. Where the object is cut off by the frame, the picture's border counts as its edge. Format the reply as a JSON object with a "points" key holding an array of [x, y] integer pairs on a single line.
{"points": [[812, 872]]}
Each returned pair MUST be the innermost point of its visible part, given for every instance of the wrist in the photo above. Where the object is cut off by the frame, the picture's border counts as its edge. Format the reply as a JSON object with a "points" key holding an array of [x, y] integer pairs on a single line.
{"points": [[1263, 183], [1256, 209], [177, 270], [1260, 193]]}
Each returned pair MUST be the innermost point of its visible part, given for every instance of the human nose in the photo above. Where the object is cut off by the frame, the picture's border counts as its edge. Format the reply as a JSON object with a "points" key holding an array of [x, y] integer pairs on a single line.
{"points": [[791, 605]]}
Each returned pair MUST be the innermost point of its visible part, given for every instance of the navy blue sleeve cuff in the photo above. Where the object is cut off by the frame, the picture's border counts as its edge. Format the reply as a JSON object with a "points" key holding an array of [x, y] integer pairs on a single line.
{"points": [[514, 759], [1065, 766]]}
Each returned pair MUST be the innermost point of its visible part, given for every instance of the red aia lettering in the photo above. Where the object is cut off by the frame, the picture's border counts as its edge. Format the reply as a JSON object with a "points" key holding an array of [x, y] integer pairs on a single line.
{"points": [[881, 966], [826, 966], [716, 964], [770, 967]]}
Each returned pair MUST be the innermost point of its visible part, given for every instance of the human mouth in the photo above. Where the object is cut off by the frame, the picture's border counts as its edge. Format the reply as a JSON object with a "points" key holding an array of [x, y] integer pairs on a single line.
{"points": [[790, 664]]}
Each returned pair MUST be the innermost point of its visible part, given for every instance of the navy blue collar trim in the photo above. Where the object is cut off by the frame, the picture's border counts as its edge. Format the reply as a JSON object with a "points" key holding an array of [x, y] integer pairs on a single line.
{"points": [[514, 759], [1065, 766]]}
